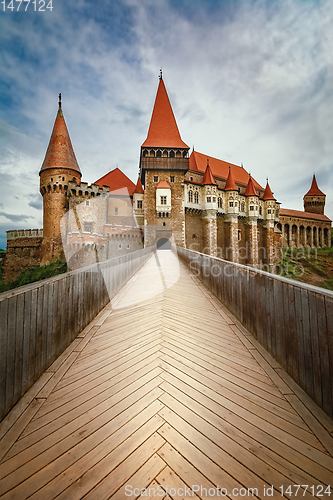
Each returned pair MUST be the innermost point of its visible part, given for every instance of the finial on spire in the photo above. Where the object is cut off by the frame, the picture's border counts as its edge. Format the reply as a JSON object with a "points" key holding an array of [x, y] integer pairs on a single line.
{"points": [[242, 165], [60, 100], [267, 180], [207, 162], [160, 77]]}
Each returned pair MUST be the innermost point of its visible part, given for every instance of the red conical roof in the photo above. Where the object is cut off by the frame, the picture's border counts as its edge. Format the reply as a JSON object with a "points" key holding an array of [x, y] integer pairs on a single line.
{"points": [[163, 130], [268, 195], [139, 189], [250, 188], [230, 184], [60, 153], [314, 190], [208, 178]]}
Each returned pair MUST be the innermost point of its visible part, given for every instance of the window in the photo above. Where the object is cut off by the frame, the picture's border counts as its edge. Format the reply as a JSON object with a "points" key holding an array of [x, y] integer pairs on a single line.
{"points": [[172, 178], [116, 210], [196, 197], [260, 210], [163, 223], [219, 202], [191, 178], [63, 179], [163, 200], [190, 196], [172, 154], [239, 234], [119, 246], [87, 203], [155, 178], [209, 199], [139, 203], [231, 203], [128, 247], [214, 199], [243, 207], [51, 179], [159, 154], [251, 208], [235, 203], [88, 227], [269, 211]]}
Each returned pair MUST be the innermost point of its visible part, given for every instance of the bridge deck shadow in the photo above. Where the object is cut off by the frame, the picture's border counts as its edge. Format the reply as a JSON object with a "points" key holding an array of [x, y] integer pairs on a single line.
{"points": [[164, 390]]}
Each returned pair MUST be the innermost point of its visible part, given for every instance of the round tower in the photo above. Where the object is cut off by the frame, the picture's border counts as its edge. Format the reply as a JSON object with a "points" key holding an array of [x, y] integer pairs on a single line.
{"points": [[59, 167], [314, 200]]}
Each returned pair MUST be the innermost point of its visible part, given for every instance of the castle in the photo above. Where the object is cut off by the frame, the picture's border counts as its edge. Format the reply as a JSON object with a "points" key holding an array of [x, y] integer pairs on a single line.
{"points": [[202, 203]]}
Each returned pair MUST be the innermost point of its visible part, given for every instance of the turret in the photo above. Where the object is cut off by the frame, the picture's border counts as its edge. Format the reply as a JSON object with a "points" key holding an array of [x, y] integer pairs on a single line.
{"points": [[232, 194], [252, 199], [210, 189], [314, 199], [59, 168], [269, 203]]}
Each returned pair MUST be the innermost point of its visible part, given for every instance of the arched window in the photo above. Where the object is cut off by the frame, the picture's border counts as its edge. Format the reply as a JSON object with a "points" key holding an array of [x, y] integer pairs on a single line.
{"points": [[190, 196], [196, 197], [172, 154], [159, 153], [145, 152]]}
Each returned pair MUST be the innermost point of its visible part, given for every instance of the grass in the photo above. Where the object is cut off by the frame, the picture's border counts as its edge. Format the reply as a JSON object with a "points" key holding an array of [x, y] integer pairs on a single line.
{"points": [[313, 266], [33, 274]]}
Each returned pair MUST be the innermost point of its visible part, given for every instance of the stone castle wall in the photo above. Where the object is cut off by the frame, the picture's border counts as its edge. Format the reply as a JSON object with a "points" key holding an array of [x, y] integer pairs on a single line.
{"points": [[23, 252]]}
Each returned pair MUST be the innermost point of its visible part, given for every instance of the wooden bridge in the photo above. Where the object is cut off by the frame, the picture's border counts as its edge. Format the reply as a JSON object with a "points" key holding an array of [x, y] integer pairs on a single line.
{"points": [[165, 390]]}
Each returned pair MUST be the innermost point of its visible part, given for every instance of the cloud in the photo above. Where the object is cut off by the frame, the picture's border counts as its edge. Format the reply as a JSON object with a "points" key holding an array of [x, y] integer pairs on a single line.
{"points": [[15, 217], [249, 81], [36, 201]]}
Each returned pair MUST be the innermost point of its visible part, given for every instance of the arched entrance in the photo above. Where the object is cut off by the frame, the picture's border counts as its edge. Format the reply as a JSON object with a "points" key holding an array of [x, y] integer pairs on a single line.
{"points": [[163, 244]]}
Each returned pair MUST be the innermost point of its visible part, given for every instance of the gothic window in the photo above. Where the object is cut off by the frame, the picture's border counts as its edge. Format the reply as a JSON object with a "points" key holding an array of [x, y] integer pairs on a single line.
{"points": [[231, 203], [139, 203], [196, 197], [209, 199], [145, 152], [155, 178], [172, 178], [190, 196], [159, 154], [172, 154], [184, 154], [163, 200], [88, 227]]}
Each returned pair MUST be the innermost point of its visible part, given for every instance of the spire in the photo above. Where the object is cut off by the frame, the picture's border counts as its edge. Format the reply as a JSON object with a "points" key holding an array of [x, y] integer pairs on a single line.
{"points": [[314, 190], [139, 189], [250, 188], [268, 195], [60, 153], [163, 130], [208, 178], [230, 184]]}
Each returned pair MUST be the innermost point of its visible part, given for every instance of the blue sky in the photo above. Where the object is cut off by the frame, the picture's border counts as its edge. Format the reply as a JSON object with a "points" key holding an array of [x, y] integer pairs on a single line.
{"points": [[250, 81]]}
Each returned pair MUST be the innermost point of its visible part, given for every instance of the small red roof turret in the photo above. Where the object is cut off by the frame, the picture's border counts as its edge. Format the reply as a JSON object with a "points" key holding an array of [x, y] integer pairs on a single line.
{"points": [[208, 178], [268, 195], [230, 184], [250, 188], [314, 190], [139, 189]]}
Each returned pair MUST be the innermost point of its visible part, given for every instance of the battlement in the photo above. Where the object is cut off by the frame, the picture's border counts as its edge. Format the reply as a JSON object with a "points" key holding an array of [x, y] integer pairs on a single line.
{"points": [[15, 234], [83, 189]]}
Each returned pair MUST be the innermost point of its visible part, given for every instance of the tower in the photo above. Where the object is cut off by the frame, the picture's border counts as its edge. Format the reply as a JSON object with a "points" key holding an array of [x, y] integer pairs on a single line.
{"points": [[59, 167], [314, 199], [164, 157]]}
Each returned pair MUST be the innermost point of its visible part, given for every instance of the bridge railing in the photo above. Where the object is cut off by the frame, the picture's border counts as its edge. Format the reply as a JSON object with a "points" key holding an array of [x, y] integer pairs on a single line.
{"points": [[292, 320], [38, 321]]}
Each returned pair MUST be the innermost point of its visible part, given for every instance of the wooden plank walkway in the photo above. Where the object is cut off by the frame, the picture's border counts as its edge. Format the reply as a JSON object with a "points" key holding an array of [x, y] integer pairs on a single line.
{"points": [[164, 391]]}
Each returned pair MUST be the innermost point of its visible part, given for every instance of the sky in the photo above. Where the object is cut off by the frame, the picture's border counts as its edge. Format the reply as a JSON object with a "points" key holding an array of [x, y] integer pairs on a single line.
{"points": [[250, 81]]}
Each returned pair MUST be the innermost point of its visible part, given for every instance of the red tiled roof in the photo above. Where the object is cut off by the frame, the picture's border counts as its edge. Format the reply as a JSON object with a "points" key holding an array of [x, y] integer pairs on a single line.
{"points": [[164, 185], [220, 169], [116, 179], [268, 195], [208, 178], [60, 153], [163, 130], [230, 184], [314, 190], [138, 188], [250, 188], [303, 215]]}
